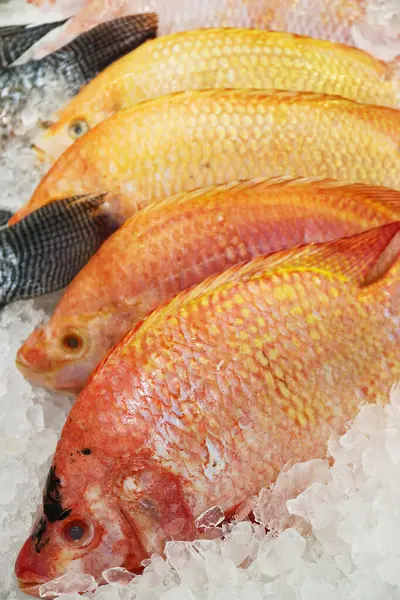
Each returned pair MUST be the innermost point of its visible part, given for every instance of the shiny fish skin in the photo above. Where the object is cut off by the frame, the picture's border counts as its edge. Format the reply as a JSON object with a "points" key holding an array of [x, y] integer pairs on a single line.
{"points": [[182, 141], [224, 58], [43, 252], [208, 398], [14, 41], [177, 243], [42, 85], [348, 21]]}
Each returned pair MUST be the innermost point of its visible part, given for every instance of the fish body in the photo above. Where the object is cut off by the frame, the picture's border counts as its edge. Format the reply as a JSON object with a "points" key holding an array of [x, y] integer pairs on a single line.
{"points": [[355, 22], [208, 398], [14, 41], [41, 253], [192, 139], [177, 243], [223, 58], [34, 90]]}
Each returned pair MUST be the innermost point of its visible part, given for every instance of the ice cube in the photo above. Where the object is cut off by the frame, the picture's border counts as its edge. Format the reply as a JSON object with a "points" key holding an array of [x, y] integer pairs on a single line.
{"points": [[118, 575], [68, 583], [210, 518]]}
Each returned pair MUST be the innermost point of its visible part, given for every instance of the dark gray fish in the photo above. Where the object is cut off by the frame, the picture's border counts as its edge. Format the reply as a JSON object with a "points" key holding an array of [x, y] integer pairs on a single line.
{"points": [[5, 216], [15, 40], [31, 92], [43, 252]]}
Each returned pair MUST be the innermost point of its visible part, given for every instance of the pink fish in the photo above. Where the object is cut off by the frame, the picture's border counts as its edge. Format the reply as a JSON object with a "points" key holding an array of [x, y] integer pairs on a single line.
{"points": [[355, 22]]}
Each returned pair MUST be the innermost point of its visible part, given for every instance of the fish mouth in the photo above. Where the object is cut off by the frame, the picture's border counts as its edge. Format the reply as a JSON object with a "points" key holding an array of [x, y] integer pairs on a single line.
{"points": [[31, 587], [47, 379]]}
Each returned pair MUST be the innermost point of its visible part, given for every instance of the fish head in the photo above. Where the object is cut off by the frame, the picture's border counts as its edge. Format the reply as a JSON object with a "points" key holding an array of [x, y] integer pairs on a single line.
{"points": [[61, 354], [52, 141], [82, 114], [101, 509], [80, 529]]}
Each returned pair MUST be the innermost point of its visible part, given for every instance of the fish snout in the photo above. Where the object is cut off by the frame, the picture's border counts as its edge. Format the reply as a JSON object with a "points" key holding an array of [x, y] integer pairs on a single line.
{"points": [[32, 360], [27, 571]]}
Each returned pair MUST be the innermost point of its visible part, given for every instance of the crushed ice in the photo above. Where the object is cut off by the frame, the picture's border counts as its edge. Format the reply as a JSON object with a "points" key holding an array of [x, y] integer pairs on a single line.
{"points": [[68, 583]]}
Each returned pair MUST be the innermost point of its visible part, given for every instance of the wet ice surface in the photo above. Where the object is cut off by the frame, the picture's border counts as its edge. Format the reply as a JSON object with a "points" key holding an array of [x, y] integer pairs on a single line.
{"points": [[20, 172]]}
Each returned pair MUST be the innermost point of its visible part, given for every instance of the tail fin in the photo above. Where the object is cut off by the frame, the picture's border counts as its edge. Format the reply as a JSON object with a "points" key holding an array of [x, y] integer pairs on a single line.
{"points": [[5, 216], [97, 48], [15, 40], [43, 252]]}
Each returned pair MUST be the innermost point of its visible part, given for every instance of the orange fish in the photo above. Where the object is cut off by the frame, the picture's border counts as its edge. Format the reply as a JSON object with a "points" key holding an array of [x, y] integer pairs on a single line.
{"points": [[193, 139], [209, 397], [177, 243], [223, 58], [353, 22]]}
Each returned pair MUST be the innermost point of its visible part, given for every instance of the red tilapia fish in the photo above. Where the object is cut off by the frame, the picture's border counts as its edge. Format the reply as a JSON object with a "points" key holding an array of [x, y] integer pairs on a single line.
{"points": [[209, 397], [353, 22], [186, 140], [177, 243]]}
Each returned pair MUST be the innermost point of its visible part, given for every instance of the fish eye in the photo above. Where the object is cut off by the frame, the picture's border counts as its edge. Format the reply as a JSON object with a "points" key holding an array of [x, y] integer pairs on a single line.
{"points": [[72, 342], [77, 532], [78, 128]]}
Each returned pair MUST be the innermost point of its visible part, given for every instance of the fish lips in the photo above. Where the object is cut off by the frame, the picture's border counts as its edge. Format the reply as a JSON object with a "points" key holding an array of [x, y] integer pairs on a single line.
{"points": [[29, 581], [30, 587]]}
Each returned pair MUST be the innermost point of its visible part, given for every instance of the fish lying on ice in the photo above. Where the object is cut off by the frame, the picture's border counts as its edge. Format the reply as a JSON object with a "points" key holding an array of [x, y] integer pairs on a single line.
{"points": [[34, 90], [223, 58], [43, 252], [191, 139], [14, 41], [207, 399], [353, 22], [177, 243]]}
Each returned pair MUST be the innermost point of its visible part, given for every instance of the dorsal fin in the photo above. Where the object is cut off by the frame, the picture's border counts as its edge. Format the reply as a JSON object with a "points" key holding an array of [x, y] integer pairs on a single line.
{"points": [[350, 259], [385, 197]]}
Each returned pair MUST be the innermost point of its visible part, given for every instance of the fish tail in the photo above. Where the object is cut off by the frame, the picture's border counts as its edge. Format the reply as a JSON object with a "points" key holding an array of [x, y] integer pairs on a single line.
{"points": [[5, 216], [45, 250], [15, 40], [97, 48]]}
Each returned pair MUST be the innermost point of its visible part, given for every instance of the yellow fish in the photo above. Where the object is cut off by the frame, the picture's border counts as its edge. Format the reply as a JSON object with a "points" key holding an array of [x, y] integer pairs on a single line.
{"points": [[223, 58], [192, 139]]}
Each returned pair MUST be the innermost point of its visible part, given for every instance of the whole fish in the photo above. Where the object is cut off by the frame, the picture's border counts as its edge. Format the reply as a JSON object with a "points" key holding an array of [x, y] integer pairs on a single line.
{"points": [[177, 243], [14, 41], [222, 58], [32, 91], [205, 401], [42, 253], [363, 23], [182, 141]]}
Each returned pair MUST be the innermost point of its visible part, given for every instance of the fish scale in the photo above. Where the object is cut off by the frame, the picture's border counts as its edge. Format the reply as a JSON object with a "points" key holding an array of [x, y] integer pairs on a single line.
{"points": [[221, 58], [206, 400], [178, 242], [193, 139]]}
